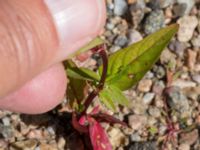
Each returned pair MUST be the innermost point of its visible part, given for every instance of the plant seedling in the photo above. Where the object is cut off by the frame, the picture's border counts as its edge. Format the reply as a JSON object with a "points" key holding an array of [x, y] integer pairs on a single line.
{"points": [[119, 72]]}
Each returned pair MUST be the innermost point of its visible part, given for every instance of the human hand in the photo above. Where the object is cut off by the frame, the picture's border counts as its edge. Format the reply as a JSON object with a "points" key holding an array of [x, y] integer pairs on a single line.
{"points": [[36, 36]]}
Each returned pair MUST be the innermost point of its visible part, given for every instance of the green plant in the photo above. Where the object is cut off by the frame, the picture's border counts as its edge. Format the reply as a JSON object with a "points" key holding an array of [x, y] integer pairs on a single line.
{"points": [[119, 72]]}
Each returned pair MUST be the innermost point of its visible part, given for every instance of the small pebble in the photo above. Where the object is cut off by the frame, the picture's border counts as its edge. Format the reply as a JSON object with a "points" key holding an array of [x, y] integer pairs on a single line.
{"points": [[148, 97], [6, 121], [191, 60], [6, 131], [24, 145], [120, 7], [61, 143], [134, 36], [137, 12], [196, 41], [184, 147], [145, 85], [196, 78], [190, 137], [142, 146], [154, 21], [47, 147], [156, 4], [158, 87], [154, 111], [117, 138], [162, 129], [179, 102], [135, 137], [137, 122], [121, 41], [186, 29], [188, 5], [183, 83]]}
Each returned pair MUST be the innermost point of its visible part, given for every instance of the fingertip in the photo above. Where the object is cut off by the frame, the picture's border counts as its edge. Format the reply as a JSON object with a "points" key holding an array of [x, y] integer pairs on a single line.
{"points": [[40, 95], [77, 22]]}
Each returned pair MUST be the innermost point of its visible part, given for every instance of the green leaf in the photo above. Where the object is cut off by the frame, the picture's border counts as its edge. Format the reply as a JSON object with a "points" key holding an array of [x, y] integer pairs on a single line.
{"points": [[75, 91], [83, 73], [117, 95], [153, 130], [112, 96], [97, 41], [127, 66], [76, 85], [80, 73], [107, 100]]}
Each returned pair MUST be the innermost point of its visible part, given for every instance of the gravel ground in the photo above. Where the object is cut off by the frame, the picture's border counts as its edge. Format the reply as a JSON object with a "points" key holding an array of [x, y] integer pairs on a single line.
{"points": [[128, 22]]}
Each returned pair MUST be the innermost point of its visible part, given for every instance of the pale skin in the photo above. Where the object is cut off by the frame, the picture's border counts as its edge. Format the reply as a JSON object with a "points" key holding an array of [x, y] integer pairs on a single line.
{"points": [[36, 36]]}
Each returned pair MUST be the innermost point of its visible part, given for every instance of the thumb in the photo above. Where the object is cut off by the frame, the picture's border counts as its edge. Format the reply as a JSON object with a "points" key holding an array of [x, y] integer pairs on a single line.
{"points": [[38, 34]]}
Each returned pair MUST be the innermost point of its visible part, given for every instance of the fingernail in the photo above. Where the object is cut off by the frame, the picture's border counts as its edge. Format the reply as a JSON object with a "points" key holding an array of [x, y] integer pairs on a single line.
{"points": [[77, 21]]}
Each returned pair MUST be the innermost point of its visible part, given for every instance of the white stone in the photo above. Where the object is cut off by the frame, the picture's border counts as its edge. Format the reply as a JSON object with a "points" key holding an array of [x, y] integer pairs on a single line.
{"points": [[187, 27]]}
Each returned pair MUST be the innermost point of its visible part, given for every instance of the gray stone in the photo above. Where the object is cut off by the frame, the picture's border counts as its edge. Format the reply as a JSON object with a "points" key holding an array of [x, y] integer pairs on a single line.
{"points": [[158, 87], [134, 36], [114, 48], [154, 21], [148, 97], [51, 130], [135, 137], [137, 12], [159, 71], [6, 121], [154, 111], [156, 4], [139, 107], [120, 7], [188, 5], [179, 9], [6, 131], [110, 26], [121, 41], [162, 130], [149, 75], [167, 57], [178, 101], [178, 48], [142, 146]]}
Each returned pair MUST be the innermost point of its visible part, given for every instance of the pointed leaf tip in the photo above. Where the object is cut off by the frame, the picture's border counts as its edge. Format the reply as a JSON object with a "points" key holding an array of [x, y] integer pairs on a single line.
{"points": [[127, 66]]}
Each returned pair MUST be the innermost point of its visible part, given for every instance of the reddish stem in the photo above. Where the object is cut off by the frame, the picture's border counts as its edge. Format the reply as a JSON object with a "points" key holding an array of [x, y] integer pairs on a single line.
{"points": [[94, 93]]}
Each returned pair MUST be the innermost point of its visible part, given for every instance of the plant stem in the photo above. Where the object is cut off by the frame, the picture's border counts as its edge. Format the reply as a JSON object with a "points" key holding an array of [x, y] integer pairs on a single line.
{"points": [[101, 50]]}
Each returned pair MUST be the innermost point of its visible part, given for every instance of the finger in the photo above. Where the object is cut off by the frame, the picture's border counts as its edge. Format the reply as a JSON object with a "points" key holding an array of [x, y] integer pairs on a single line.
{"points": [[37, 34], [40, 94]]}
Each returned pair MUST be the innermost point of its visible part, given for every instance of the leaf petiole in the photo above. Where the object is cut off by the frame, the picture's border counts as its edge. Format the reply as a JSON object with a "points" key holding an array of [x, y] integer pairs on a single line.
{"points": [[101, 50]]}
